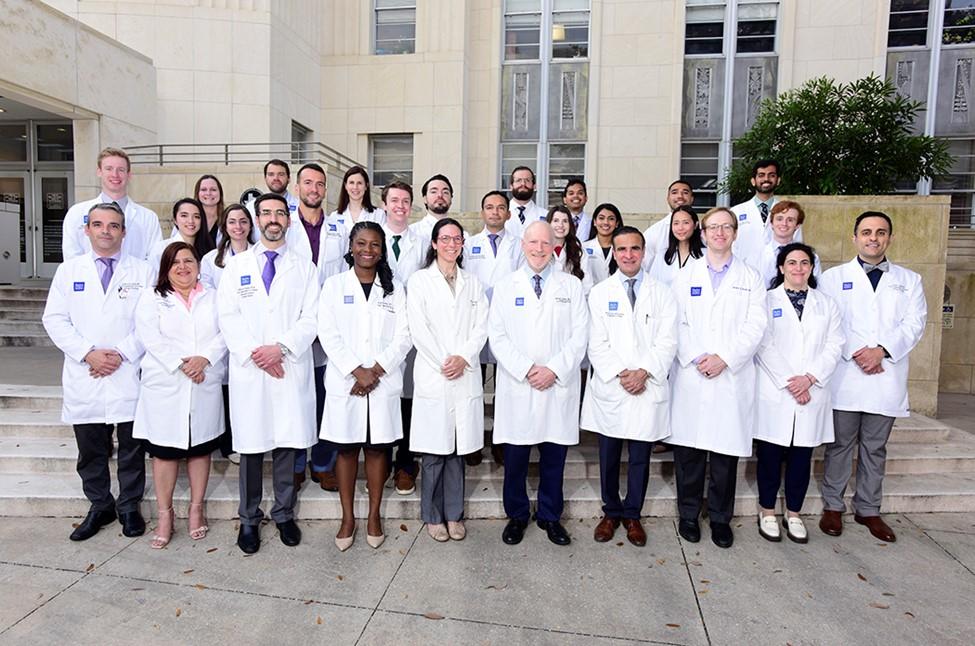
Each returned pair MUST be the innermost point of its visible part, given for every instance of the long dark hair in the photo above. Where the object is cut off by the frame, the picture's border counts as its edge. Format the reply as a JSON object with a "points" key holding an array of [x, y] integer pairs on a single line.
{"points": [[220, 206], [344, 194], [780, 260], [163, 286], [201, 241], [432, 253], [695, 243], [613, 209], [571, 248], [225, 237], [383, 270]]}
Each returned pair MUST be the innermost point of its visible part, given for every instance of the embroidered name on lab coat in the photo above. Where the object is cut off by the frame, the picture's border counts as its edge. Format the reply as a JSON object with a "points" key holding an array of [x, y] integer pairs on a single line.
{"points": [[348, 300], [695, 291], [847, 285], [519, 301], [777, 313], [563, 299], [79, 287], [900, 288]]}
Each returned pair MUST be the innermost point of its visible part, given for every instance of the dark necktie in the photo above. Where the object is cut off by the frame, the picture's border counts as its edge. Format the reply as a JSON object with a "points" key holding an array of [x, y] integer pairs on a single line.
{"points": [[396, 246], [763, 209], [493, 237], [521, 214], [107, 272], [538, 285], [630, 290], [268, 273]]}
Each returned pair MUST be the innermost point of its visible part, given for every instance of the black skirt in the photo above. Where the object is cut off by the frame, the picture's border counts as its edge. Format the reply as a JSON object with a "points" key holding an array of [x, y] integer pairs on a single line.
{"points": [[172, 453]]}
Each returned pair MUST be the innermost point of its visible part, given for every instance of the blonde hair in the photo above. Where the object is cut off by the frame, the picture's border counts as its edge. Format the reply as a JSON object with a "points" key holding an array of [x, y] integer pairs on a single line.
{"points": [[714, 211], [114, 152]]}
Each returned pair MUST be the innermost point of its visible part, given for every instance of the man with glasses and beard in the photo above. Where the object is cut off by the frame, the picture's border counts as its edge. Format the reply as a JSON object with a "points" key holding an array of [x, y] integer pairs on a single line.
{"points": [[523, 209]]}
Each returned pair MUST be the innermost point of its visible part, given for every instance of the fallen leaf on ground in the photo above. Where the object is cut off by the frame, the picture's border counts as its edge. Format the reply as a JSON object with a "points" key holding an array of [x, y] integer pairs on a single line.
{"points": [[178, 612], [673, 625], [404, 528], [620, 544], [340, 578], [187, 571], [432, 615], [200, 586], [318, 620], [705, 581], [910, 614], [861, 577], [661, 561], [888, 594], [91, 566], [212, 550], [495, 587], [309, 602], [776, 571], [879, 606]]}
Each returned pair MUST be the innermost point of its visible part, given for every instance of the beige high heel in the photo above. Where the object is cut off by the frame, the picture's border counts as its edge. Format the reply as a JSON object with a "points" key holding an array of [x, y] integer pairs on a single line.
{"points": [[201, 531], [158, 540], [345, 543]]}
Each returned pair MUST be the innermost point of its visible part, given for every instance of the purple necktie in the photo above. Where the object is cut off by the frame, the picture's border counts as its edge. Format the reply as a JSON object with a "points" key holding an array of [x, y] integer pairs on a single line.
{"points": [[538, 285], [493, 237], [107, 272], [268, 273]]}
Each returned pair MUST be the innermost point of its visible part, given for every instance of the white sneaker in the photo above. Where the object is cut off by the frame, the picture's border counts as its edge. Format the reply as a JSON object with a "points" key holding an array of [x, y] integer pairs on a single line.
{"points": [[795, 529], [768, 527]]}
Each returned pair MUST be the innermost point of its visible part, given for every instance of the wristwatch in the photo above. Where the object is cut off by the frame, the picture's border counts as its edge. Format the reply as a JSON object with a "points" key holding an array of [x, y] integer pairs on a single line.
{"points": [[284, 349]]}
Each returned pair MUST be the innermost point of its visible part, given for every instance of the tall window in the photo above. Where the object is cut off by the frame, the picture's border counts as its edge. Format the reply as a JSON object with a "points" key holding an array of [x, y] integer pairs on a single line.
{"points": [[300, 140], [391, 158], [545, 91], [908, 24], [395, 27]]}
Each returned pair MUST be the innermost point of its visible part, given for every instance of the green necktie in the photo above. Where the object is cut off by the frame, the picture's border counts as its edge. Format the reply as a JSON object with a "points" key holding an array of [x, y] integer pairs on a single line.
{"points": [[396, 246]]}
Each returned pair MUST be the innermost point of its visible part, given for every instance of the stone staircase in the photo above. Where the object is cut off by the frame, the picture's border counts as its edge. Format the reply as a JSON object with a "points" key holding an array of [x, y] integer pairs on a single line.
{"points": [[930, 467], [20, 317]]}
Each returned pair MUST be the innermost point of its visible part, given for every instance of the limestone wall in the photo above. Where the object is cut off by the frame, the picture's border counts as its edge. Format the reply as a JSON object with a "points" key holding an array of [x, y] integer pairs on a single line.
{"points": [[958, 341]]}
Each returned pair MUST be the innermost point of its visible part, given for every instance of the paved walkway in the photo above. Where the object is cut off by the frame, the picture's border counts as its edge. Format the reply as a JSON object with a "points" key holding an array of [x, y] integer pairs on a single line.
{"points": [[848, 590]]}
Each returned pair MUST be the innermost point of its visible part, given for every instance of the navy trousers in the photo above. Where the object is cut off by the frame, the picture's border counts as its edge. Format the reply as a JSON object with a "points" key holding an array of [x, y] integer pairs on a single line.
{"points": [[637, 476], [798, 463], [551, 465]]}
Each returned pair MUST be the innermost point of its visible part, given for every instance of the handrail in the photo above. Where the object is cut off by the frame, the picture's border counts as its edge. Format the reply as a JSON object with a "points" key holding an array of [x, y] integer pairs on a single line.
{"points": [[239, 153]]}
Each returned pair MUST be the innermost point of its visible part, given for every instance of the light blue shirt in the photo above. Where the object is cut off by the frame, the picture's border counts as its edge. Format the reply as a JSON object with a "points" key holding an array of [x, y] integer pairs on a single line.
{"points": [[122, 201], [545, 274], [623, 278], [717, 275]]}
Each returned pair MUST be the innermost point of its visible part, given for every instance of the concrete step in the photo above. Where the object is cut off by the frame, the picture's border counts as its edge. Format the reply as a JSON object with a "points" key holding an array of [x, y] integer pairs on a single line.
{"points": [[31, 454], [10, 327], [59, 495], [14, 396], [25, 341], [17, 291], [21, 314], [7, 302]]}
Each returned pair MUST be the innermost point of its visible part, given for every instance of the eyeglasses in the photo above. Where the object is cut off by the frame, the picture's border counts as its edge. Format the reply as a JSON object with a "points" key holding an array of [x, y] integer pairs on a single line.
{"points": [[714, 228], [281, 213], [449, 239]]}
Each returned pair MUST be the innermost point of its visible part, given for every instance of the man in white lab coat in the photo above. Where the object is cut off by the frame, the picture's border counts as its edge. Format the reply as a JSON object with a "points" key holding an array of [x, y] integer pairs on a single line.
{"points": [[268, 305], [438, 195], [657, 235], [632, 343], [142, 230], [784, 223], [538, 326], [491, 255], [523, 209], [90, 316], [884, 313], [574, 197], [753, 214]]}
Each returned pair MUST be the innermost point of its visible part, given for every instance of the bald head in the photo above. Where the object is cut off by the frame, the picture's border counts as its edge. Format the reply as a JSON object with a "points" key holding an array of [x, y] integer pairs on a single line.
{"points": [[537, 242]]}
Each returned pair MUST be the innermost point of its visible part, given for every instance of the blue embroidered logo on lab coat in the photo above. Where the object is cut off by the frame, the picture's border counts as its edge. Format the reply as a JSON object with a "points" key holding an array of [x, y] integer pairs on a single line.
{"points": [[777, 313], [695, 291], [475, 250], [86, 219], [847, 285], [741, 218], [245, 280], [519, 301], [79, 287], [589, 250], [613, 306], [348, 300], [333, 227]]}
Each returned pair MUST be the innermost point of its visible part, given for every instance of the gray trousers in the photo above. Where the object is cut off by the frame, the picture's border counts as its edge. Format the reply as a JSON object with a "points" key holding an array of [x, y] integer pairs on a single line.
{"points": [[865, 433], [441, 488], [251, 482], [95, 451]]}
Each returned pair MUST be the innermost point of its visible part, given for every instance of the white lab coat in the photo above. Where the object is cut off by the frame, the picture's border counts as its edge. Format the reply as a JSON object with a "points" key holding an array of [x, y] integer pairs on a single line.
{"points": [[598, 263], [479, 260], [656, 237], [79, 316], [268, 413], [717, 414], [412, 253], [448, 415], [357, 332], [560, 261], [345, 218], [666, 274], [552, 332], [584, 226], [155, 254], [532, 212], [170, 404], [752, 232], [792, 347], [423, 228], [142, 230], [209, 271], [892, 317], [764, 263], [624, 337]]}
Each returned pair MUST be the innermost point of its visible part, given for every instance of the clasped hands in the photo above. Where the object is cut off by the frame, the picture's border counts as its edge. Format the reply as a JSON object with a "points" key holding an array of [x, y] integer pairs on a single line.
{"points": [[634, 381], [270, 359], [102, 363], [366, 379], [195, 368], [798, 386], [870, 360]]}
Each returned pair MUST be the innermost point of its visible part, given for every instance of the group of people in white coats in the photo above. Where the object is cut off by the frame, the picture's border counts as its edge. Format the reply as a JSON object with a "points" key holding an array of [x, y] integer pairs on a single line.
{"points": [[358, 331]]}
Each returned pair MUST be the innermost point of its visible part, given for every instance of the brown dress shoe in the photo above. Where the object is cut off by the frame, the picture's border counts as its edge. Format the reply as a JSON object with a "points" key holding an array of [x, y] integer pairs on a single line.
{"points": [[299, 479], [831, 523], [880, 530], [326, 480], [634, 531], [605, 529]]}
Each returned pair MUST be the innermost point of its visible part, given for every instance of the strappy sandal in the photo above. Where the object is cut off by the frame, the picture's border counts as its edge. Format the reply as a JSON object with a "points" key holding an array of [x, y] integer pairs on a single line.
{"points": [[160, 541], [200, 532]]}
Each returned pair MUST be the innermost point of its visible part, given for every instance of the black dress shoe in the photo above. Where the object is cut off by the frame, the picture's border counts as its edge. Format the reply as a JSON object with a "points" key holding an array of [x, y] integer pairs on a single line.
{"points": [[514, 531], [556, 533], [290, 534], [94, 521], [249, 538], [132, 523], [689, 530], [721, 535]]}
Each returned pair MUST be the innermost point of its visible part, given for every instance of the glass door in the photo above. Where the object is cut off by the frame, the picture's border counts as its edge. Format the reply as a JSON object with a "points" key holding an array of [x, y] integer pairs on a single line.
{"points": [[53, 196]]}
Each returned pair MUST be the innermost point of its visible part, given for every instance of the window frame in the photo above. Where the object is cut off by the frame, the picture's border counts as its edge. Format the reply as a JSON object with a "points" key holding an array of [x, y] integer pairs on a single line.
{"points": [[377, 11]]}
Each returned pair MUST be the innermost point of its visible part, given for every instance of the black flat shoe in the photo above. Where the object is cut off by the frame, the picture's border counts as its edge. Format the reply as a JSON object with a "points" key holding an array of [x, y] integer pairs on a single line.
{"points": [[290, 534], [94, 521], [249, 538], [689, 530], [132, 523], [556, 532], [721, 535], [514, 531]]}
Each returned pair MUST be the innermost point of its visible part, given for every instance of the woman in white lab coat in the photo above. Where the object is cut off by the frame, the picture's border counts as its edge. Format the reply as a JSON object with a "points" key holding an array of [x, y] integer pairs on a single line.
{"points": [[179, 410], [567, 251], [448, 324], [209, 192], [188, 226], [355, 200], [684, 245], [363, 329], [795, 411], [598, 248], [236, 235]]}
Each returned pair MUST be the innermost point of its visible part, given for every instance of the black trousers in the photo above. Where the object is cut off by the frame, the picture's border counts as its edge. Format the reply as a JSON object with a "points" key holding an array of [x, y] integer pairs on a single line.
{"points": [[798, 464], [637, 476], [404, 458], [551, 467], [227, 439], [690, 465], [94, 450]]}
